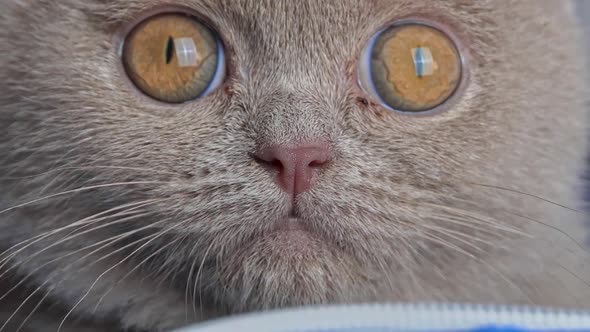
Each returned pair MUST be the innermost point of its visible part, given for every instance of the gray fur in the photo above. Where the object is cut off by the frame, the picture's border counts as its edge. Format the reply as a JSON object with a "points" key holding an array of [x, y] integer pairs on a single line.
{"points": [[398, 187]]}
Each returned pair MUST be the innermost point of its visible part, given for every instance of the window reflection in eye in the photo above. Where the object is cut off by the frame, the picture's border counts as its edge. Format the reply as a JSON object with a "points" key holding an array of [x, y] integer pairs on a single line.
{"points": [[411, 67], [173, 58]]}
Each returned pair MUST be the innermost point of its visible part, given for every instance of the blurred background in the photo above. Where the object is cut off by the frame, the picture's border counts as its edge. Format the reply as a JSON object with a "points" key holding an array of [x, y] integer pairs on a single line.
{"points": [[584, 6]]}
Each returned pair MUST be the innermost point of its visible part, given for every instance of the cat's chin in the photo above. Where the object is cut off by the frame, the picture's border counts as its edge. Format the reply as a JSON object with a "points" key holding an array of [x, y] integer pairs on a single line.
{"points": [[289, 224], [290, 239], [290, 236], [288, 266]]}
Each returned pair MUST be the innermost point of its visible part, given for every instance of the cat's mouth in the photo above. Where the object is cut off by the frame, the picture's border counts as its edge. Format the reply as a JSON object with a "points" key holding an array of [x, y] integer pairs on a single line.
{"points": [[291, 234], [292, 228], [289, 224], [294, 222]]}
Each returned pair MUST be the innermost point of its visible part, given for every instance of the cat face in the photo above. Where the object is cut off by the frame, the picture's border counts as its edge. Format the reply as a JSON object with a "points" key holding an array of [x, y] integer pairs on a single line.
{"points": [[289, 183]]}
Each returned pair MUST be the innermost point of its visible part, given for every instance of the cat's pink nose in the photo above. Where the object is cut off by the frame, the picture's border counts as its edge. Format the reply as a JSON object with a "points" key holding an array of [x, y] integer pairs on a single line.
{"points": [[296, 166]]}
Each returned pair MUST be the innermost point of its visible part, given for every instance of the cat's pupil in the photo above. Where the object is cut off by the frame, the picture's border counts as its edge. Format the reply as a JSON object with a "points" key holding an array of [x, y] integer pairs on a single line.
{"points": [[169, 49]]}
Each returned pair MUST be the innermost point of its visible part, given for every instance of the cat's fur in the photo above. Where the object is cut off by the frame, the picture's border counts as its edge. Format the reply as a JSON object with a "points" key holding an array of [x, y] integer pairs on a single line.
{"points": [[404, 212]]}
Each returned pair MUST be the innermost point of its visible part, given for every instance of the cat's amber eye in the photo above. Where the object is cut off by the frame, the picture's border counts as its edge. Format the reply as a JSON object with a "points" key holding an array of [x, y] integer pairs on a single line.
{"points": [[411, 67], [173, 58]]}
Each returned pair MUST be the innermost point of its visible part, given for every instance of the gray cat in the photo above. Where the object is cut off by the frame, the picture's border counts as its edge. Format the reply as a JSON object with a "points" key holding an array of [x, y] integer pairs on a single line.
{"points": [[165, 162]]}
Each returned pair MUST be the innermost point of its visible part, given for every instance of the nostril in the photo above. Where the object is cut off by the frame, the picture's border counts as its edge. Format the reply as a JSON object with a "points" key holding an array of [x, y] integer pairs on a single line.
{"points": [[275, 163], [263, 160], [315, 156], [317, 163]]}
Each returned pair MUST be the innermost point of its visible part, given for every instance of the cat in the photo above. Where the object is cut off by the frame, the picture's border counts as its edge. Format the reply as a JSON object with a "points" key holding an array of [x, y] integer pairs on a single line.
{"points": [[289, 183]]}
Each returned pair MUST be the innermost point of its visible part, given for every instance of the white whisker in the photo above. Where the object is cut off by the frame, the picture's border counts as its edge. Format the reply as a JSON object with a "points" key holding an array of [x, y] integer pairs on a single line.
{"points": [[84, 222], [85, 168], [77, 190], [107, 271], [453, 237], [190, 274], [76, 235], [197, 281], [458, 216], [445, 243], [34, 310], [21, 306], [552, 227], [530, 195], [106, 242], [131, 271]]}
